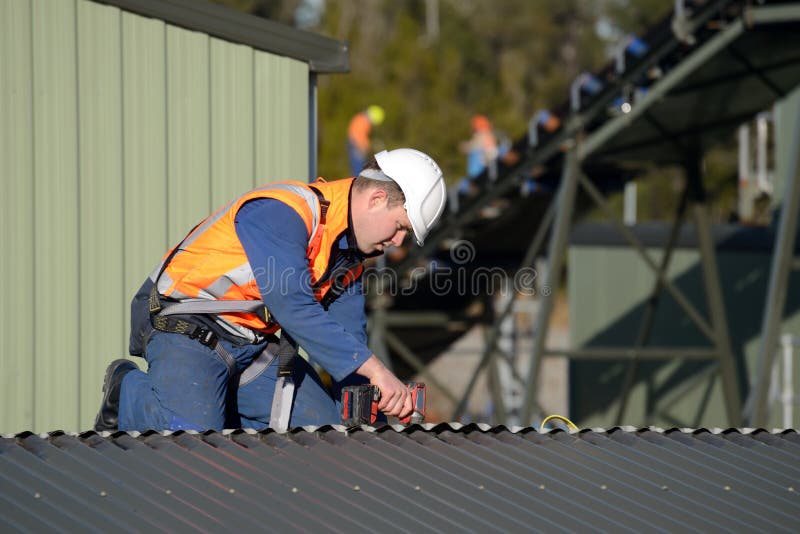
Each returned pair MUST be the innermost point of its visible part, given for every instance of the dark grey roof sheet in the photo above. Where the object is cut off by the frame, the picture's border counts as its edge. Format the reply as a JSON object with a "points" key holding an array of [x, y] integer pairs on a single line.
{"points": [[422, 478]]}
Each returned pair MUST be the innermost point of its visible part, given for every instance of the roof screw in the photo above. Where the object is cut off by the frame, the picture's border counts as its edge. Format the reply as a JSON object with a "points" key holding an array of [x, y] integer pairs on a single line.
{"points": [[231, 490], [481, 487], [727, 488], [38, 495], [103, 493], [790, 489], [541, 486], [603, 487], [295, 490], [356, 488], [664, 488], [168, 492], [417, 488]]}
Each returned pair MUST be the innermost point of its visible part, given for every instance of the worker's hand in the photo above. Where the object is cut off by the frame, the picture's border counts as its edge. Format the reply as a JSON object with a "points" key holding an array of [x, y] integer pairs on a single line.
{"points": [[395, 397]]}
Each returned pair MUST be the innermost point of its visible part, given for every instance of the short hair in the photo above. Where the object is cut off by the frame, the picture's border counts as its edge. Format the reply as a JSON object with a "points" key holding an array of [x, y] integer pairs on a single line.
{"points": [[394, 195]]}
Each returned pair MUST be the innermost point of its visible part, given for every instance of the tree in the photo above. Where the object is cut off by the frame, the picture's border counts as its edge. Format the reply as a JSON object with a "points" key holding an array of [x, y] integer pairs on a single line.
{"points": [[502, 58]]}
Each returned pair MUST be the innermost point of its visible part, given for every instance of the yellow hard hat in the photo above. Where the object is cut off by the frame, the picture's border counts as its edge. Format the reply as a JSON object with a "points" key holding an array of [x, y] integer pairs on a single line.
{"points": [[375, 114]]}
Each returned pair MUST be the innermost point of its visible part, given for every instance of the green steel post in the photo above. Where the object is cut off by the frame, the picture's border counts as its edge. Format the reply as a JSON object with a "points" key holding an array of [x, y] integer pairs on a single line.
{"points": [[555, 258], [716, 304], [782, 259]]}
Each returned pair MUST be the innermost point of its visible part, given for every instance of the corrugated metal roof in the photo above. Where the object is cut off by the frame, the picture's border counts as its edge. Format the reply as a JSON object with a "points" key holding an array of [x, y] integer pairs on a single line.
{"points": [[422, 478]]}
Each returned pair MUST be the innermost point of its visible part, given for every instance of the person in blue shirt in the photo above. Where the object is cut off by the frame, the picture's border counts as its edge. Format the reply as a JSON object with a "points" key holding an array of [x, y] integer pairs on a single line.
{"points": [[282, 259]]}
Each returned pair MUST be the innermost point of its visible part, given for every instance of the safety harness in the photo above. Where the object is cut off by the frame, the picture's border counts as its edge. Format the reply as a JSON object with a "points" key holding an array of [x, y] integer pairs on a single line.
{"points": [[170, 315]]}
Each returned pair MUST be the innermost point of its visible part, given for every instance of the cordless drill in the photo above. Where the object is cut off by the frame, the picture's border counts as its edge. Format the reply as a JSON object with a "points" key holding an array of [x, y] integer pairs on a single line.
{"points": [[360, 404]]}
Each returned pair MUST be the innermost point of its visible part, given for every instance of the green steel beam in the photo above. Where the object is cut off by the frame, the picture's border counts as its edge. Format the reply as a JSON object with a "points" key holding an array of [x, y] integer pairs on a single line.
{"points": [[716, 304], [632, 353], [772, 14], [674, 77]]}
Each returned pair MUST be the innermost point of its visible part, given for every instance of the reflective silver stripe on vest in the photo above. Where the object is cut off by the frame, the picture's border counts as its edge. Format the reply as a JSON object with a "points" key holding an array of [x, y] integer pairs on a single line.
{"points": [[209, 300], [238, 330], [194, 235], [187, 307], [309, 196]]}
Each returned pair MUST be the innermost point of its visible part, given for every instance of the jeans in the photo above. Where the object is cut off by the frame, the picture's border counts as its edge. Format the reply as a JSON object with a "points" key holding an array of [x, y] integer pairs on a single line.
{"points": [[189, 387], [356, 157], [314, 403]]}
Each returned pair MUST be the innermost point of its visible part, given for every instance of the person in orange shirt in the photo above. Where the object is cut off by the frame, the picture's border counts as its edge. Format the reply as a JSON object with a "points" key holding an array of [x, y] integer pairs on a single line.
{"points": [[358, 132], [481, 149]]}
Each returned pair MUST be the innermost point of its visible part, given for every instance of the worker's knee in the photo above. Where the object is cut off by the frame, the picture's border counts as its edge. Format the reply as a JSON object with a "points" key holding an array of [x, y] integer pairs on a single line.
{"points": [[189, 383]]}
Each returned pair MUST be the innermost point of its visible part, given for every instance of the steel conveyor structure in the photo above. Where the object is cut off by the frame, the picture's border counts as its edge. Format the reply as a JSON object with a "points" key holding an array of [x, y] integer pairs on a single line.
{"points": [[692, 79]]}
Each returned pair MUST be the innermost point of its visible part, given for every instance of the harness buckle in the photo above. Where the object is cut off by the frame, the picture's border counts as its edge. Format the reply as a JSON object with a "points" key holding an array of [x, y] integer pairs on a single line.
{"points": [[205, 336]]}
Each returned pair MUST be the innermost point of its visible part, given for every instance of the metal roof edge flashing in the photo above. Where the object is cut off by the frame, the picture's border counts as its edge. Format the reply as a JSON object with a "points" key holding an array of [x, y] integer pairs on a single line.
{"points": [[311, 428], [431, 428], [322, 54]]}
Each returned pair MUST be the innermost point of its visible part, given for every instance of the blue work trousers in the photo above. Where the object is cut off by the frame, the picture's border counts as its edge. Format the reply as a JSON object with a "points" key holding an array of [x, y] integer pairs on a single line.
{"points": [[356, 157], [188, 386]]}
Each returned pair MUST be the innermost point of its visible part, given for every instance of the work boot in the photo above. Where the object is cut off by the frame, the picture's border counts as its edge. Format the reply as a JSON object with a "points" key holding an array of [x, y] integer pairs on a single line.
{"points": [[108, 415]]}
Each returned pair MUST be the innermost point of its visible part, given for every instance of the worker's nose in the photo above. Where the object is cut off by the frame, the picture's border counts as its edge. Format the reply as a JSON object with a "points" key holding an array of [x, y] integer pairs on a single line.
{"points": [[399, 237]]}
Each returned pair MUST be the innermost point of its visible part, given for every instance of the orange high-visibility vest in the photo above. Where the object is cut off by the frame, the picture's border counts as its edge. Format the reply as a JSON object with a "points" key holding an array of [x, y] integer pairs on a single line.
{"points": [[211, 263]]}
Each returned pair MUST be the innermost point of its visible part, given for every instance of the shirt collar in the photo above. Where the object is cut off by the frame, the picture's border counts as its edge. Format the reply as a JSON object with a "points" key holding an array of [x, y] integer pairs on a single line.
{"points": [[347, 243]]}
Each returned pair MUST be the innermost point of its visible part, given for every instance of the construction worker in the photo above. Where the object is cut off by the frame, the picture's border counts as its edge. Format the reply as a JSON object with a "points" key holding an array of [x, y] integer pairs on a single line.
{"points": [[481, 149], [358, 136], [285, 256]]}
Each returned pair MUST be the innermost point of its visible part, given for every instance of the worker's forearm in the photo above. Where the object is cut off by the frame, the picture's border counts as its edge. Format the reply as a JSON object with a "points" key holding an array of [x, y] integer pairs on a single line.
{"points": [[275, 239], [371, 367]]}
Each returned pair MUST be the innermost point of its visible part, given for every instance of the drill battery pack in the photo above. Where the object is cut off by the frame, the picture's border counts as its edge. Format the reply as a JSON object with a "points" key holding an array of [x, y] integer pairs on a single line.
{"points": [[360, 404]]}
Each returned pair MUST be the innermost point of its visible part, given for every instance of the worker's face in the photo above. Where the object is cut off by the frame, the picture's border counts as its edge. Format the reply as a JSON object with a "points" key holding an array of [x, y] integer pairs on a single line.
{"points": [[382, 226]]}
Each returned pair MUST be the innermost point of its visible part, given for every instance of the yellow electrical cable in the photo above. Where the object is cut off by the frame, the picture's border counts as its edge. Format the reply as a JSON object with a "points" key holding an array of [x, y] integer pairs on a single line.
{"points": [[570, 424]]}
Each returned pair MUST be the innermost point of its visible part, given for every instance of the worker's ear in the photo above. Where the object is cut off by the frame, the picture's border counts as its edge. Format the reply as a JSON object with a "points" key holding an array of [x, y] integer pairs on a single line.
{"points": [[377, 198]]}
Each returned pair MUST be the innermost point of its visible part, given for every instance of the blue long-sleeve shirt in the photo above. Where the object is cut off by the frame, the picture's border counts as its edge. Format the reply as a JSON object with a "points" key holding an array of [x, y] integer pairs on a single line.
{"points": [[275, 240]]}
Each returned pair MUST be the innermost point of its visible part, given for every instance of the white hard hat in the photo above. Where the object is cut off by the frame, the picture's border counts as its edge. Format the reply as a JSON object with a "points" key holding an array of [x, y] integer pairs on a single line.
{"points": [[422, 183]]}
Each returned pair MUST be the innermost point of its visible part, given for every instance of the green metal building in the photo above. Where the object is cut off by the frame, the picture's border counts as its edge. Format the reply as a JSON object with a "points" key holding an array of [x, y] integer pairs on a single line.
{"points": [[612, 294], [122, 124], [609, 292]]}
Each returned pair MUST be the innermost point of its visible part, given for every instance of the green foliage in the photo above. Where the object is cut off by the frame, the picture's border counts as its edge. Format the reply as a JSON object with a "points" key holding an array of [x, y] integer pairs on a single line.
{"points": [[503, 58]]}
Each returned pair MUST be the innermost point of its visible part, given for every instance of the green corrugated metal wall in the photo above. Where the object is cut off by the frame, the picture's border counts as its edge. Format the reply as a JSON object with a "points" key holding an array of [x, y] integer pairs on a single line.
{"points": [[117, 134]]}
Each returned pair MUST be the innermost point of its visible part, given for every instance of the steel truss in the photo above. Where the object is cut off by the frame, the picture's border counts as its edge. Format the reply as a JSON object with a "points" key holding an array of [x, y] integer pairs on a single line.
{"points": [[578, 146]]}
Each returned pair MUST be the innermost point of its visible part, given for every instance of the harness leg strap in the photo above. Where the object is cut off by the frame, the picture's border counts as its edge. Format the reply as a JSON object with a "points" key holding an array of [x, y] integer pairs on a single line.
{"points": [[227, 357], [284, 388]]}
